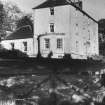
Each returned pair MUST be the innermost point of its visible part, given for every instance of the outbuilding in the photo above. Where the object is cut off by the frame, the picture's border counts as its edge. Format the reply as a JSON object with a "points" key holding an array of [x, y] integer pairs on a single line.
{"points": [[21, 39]]}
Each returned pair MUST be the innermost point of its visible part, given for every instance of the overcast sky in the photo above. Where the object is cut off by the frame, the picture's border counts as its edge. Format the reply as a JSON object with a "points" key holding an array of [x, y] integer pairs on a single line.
{"points": [[96, 8]]}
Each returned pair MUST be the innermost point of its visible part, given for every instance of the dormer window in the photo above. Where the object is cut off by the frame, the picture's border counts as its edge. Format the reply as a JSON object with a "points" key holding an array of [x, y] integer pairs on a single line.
{"points": [[52, 10]]}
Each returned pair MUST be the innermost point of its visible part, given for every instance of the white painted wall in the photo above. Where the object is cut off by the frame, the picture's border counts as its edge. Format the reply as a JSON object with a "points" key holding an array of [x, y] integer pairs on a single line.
{"points": [[41, 21], [79, 31], [18, 44], [53, 46], [77, 27], [84, 30]]}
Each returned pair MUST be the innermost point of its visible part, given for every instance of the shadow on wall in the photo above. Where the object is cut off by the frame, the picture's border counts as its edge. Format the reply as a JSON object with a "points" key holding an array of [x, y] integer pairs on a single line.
{"points": [[4, 53]]}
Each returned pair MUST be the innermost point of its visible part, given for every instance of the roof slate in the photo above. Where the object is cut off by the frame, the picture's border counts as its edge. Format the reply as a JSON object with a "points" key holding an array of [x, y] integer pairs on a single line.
{"points": [[22, 33], [50, 3]]}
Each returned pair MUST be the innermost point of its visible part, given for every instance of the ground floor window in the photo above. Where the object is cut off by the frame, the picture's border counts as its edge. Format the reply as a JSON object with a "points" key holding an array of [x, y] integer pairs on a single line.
{"points": [[25, 46], [47, 43], [59, 43], [77, 46], [12, 46]]}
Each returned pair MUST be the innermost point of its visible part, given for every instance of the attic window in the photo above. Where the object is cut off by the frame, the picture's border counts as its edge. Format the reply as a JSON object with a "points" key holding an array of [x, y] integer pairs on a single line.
{"points": [[52, 10]]}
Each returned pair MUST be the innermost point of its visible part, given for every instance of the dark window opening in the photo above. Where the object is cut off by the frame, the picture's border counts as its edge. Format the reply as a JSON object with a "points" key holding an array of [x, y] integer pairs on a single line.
{"points": [[89, 35], [12, 46], [76, 24], [59, 43], [25, 46], [51, 27], [52, 10], [77, 46], [47, 43]]}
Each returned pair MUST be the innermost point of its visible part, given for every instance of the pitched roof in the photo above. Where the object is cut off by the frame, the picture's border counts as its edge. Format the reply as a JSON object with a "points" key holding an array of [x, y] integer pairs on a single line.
{"points": [[51, 3], [21, 33]]}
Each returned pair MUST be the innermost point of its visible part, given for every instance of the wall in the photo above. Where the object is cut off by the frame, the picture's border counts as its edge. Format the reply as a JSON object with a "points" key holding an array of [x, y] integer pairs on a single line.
{"points": [[42, 20], [18, 44], [84, 36], [80, 32]]}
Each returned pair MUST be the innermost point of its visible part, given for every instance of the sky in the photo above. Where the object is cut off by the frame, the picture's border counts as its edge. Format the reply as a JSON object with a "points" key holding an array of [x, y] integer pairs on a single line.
{"points": [[95, 8]]}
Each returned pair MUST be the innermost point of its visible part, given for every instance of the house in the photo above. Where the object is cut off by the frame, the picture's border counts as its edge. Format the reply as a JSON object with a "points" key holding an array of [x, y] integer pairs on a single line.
{"points": [[64, 28], [21, 39], [61, 29]]}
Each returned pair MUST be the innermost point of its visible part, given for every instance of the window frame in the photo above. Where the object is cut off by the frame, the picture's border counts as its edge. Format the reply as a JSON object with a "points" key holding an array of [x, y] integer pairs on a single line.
{"points": [[12, 46], [77, 46], [51, 11], [59, 43], [51, 27], [46, 43], [25, 46]]}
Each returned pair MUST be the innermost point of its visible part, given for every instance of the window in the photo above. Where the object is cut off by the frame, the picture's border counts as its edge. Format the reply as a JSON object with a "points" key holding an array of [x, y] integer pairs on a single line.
{"points": [[12, 46], [52, 10], [59, 43], [76, 24], [25, 46], [47, 43], [76, 29], [77, 46], [51, 27], [88, 35]]}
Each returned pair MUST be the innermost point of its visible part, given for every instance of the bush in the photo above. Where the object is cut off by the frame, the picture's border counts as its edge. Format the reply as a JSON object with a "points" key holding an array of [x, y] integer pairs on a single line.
{"points": [[4, 53]]}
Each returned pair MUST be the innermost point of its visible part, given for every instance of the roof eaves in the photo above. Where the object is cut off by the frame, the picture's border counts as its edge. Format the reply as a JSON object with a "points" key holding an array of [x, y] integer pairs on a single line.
{"points": [[83, 12], [50, 4], [15, 38], [44, 5]]}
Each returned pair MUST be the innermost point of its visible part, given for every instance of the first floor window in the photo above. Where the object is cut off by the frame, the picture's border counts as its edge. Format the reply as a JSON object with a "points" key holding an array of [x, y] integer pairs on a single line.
{"points": [[12, 46], [25, 46], [51, 27], [59, 43], [47, 43]]}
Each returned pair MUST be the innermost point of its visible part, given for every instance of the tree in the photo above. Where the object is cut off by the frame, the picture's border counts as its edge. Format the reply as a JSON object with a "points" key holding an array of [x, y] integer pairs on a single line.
{"points": [[101, 30], [25, 20], [9, 14], [2, 20], [103, 80], [101, 24], [13, 13]]}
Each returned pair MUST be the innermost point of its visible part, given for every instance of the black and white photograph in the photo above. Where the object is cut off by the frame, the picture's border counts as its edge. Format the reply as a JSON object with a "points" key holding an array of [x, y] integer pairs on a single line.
{"points": [[52, 52]]}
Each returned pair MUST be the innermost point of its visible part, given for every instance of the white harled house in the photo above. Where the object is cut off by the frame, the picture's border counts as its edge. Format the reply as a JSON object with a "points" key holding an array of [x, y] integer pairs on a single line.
{"points": [[21, 39], [63, 28]]}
